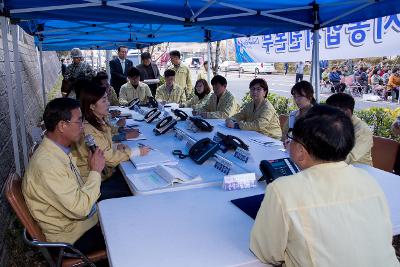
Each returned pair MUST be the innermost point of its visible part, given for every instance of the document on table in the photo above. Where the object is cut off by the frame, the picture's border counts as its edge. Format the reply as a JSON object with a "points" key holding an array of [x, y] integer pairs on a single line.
{"points": [[265, 143], [152, 159], [140, 137]]}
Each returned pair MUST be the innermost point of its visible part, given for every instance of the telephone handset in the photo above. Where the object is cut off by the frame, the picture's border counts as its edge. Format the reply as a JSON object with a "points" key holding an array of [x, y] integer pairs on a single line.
{"points": [[152, 102], [164, 125], [152, 115], [203, 150], [272, 169], [231, 142], [203, 125], [180, 114], [133, 103]]}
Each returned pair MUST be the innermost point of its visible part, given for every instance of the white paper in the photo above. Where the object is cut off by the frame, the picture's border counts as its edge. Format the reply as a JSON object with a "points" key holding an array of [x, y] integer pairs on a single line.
{"points": [[140, 137]]}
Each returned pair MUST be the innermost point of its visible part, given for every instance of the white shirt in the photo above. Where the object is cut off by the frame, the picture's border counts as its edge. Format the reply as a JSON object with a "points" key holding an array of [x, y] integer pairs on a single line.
{"points": [[122, 61]]}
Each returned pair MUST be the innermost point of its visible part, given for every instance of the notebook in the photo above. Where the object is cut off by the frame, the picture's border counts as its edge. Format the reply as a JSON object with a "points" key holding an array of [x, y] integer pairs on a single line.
{"points": [[153, 159], [249, 205]]}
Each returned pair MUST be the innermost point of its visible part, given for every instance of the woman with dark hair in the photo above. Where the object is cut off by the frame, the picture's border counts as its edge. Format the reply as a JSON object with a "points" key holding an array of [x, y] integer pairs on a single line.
{"points": [[94, 106], [201, 95], [259, 114], [303, 96]]}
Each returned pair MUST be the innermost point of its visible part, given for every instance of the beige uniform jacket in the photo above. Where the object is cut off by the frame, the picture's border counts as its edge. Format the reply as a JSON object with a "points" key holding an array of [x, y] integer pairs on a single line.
{"points": [[112, 97], [328, 215], [263, 119], [177, 94], [103, 140], [58, 198], [182, 78], [203, 75], [361, 152], [225, 108], [197, 103], [128, 93]]}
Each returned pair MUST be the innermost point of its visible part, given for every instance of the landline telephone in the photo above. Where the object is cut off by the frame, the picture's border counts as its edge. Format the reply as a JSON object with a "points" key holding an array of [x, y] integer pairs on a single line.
{"points": [[152, 115], [152, 102], [203, 125], [180, 114], [164, 125], [203, 150], [272, 169], [133, 103], [229, 142]]}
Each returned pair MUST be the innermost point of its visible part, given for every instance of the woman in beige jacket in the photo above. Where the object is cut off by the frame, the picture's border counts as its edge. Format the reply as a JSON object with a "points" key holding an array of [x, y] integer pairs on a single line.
{"points": [[202, 93], [94, 105], [259, 114]]}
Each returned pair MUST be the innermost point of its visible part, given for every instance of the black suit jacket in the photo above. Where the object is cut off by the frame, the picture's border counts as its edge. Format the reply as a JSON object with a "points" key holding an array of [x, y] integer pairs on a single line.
{"points": [[118, 78]]}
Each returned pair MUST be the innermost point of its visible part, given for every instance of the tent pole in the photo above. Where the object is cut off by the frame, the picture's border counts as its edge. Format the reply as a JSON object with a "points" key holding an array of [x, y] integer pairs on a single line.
{"points": [[108, 56], [98, 60], [312, 64], [209, 62], [316, 67], [20, 96], [42, 73], [10, 95]]}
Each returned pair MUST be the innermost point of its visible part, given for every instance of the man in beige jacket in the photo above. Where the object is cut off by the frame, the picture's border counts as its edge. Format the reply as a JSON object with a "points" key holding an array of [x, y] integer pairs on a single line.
{"points": [[59, 199], [182, 77], [330, 213], [134, 88], [221, 104], [170, 92], [361, 152]]}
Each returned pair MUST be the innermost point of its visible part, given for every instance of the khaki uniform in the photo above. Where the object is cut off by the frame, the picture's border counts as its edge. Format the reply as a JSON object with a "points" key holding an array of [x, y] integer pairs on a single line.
{"points": [[225, 108], [331, 214], [112, 97], [361, 152], [197, 103], [177, 94], [263, 119], [56, 195], [103, 140], [128, 93], [182, 78], [203, 75]]}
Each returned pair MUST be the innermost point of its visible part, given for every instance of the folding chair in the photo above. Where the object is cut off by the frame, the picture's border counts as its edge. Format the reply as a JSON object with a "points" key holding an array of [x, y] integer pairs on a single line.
{"points": [[384, 153], [68, 255]]}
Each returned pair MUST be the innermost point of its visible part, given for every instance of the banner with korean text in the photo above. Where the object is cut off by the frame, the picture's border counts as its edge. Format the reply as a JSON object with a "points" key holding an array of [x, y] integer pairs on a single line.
{"points": [[370, 38]]}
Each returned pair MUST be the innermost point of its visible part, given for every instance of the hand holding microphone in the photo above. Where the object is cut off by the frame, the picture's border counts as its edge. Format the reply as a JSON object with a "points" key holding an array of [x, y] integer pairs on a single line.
{"points": [[96, 158]]}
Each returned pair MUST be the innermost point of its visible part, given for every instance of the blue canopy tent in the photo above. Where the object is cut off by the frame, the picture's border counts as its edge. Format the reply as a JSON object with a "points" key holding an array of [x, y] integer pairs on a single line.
{"points": [[102, 23]]}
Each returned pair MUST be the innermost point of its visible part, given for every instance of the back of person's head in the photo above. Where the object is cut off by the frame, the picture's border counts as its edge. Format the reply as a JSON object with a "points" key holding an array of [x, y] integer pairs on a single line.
{"points": [[145, 55], [341, 100], [375, 71], [206, 89], [205, 63], [133, 72], [169, 73], [175, 53], [101, 75], [305, 89], [57, 110], [262, 82], [326, 133], [219, 79], [89, 96]]}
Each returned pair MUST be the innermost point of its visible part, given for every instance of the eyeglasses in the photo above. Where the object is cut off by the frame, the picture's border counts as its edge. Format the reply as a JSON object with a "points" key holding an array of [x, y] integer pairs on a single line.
{"points": [[290, 137], [80, 122], [256, 89]]}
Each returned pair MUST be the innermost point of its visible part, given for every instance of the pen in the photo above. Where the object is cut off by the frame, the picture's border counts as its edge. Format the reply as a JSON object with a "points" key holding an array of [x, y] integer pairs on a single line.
{"points": [[140, 144]]}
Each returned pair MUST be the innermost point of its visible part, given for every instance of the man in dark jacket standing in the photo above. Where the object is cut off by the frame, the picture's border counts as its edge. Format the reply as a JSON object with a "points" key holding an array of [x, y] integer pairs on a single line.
{"points": [[149, 71], [119, 68]]}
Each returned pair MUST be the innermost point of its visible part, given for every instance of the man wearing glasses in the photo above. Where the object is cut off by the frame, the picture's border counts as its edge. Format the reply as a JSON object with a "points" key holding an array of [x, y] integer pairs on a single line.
{"points": [[330, 213], [59, 199]]}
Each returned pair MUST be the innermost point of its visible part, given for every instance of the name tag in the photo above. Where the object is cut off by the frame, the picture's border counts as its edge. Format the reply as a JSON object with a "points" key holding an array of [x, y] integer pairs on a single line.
{"points": [[216, 138], [242, 154], [239, 181], [223, 165]]}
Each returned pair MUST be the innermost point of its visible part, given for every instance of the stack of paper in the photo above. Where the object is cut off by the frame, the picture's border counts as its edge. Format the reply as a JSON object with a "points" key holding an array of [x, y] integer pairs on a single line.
{"points": [[152, 159], [140, 137]]}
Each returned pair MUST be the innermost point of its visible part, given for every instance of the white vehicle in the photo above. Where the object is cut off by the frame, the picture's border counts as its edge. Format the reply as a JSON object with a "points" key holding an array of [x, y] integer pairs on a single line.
{"points": [[257, 68], [229, 66]]}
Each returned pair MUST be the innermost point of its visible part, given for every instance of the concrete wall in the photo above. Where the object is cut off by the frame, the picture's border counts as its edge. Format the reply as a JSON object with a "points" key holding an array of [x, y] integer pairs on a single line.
{"points": [[33, 105]]}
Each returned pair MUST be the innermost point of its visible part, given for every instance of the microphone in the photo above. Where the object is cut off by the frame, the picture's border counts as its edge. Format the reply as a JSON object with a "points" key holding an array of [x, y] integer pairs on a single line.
{"points": [[90, 143]]}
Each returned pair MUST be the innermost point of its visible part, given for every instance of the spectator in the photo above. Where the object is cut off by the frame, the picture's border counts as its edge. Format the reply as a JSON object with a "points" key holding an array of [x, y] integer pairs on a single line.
{"points": [[182, 73], [393, 85], [259, 114], [396, 126], [299, 71], [377, 83], [149, 71], [329, 209], [119, 68], [63, 67], [286, 66], [203, 74], [334, 78]]}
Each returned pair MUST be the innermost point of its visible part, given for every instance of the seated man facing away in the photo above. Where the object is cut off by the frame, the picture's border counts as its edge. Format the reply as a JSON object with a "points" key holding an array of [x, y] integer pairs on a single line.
{"points": [[170, 92], [134, 88], [58, 197], [361, 152], [259, 114], [222, 103], [330, 213]]}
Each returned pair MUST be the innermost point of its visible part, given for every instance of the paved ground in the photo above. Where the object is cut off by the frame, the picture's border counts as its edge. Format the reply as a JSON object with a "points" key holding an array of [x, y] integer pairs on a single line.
{"points": [[281, 85]]}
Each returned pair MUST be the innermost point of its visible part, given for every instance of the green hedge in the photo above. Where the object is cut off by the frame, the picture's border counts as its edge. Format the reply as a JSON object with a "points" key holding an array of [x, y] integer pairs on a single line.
{"points": [[380, 119]]}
